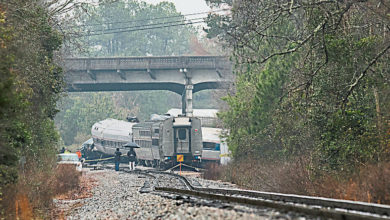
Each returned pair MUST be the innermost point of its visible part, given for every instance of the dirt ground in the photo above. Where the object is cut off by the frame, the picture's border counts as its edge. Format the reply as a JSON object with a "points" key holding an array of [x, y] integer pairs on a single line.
{"points": [[66, 202]]}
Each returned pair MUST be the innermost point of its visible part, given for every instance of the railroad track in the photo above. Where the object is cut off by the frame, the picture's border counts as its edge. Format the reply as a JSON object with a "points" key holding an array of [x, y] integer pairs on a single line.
{"points": [[313, 206]]}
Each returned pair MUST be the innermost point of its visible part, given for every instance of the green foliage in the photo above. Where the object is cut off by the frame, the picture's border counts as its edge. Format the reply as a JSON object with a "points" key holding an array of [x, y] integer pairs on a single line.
{"points": [[80, 111], [30, 85], [120, 15], [310, 81]]}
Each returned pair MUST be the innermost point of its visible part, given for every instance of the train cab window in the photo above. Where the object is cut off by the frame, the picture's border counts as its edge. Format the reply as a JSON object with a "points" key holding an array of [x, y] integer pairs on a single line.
{"points": [[182, 133], [211, 146], [156, 131], [217, 146]]}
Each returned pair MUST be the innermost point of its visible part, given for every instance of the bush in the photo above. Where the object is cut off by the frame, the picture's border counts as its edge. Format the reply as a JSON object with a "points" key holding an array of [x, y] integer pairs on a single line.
{"points": [[368, 183], [213, 171], [32, 195], [67, 178]]}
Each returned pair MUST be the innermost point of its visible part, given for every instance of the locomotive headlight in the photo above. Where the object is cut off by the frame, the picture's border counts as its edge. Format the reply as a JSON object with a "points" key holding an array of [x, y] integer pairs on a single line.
{"points": [[167, 158]]}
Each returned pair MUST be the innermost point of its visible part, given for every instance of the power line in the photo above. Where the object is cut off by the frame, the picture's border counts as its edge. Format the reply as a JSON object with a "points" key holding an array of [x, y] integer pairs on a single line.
{"points": [[150, 25], [140, 29], [149, 19]]}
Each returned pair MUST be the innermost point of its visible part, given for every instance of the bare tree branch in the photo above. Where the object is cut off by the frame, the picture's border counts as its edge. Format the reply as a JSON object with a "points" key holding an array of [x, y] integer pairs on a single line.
{"points": [[364, 73], [319, 27]]}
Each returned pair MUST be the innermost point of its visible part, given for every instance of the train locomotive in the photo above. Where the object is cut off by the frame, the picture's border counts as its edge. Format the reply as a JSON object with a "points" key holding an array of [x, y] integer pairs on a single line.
{"points": [[160, 140]]}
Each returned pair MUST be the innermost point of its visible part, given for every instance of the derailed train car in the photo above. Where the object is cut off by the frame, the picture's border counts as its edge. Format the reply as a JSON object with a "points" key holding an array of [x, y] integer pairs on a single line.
{"points": [[160, 140]]}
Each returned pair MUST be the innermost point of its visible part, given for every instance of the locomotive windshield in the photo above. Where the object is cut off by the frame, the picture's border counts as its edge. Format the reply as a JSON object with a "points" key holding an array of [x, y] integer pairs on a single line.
{"points": [[182, 133]]}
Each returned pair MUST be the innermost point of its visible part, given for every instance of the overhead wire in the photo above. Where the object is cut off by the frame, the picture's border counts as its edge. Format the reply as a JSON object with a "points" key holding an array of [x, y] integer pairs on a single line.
{"points": [[140, 29], [149, 19], [150, 25]]}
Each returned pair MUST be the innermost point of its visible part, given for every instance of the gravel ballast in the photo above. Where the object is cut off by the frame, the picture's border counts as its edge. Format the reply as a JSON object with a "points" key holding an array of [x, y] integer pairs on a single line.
{"points": [[117, 196]]}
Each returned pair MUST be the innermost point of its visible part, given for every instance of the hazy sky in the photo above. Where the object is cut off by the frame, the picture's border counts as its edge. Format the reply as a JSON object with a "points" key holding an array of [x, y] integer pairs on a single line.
{"points": [[186, 6]]}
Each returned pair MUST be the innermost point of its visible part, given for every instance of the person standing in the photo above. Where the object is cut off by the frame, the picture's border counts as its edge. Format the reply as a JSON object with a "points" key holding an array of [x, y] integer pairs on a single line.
{"points": [[78, 154], [132, 157], [117, 159]]}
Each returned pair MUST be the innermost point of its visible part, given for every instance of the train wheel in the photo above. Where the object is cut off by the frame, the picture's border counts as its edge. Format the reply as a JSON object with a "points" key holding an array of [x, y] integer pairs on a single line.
{"points": [[148, 163], [162, 166], [154, 163]]}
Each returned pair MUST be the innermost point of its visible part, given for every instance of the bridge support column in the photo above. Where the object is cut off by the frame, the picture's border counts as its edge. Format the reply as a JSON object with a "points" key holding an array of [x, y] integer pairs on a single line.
{"points": [[186, 102], [186, 97]]}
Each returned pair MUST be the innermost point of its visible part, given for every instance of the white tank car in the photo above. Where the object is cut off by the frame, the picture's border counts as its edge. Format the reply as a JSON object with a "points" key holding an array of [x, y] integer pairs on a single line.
{"points": [[110, 134]]}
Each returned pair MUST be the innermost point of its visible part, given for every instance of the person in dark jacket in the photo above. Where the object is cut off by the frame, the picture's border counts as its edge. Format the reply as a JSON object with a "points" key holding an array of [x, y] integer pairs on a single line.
{"points": [[117, 159], [132, 157]]}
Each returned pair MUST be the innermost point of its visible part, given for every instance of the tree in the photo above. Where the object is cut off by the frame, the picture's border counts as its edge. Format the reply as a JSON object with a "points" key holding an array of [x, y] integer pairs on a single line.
{"points": [[30, 85], [308, 72], [107, 28]]}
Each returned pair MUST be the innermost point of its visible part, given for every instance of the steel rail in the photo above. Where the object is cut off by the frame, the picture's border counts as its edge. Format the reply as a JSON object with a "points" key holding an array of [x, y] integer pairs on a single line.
{"points": [[319, 206], [307, 200], [299, 208], [316, 206], [182, 178], [377, 209]]}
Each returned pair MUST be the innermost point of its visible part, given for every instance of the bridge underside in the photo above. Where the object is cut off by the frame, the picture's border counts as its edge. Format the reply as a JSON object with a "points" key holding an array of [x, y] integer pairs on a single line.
{"points": [[173, 87], [183, 75]]}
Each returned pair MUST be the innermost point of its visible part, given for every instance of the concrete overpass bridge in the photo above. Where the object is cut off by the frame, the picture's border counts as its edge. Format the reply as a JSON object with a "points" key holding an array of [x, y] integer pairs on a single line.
{"points": [[183, 75]]}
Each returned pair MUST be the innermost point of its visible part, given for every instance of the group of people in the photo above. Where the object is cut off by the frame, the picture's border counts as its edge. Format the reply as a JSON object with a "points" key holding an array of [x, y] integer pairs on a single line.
{"points": [[132, 157], [66, 151]]}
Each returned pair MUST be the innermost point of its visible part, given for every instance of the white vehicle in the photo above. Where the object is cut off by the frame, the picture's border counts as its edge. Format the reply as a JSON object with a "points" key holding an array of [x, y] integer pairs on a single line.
{"points": [[214, 149], [69, 158]]}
